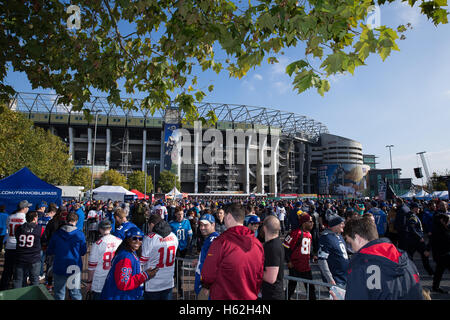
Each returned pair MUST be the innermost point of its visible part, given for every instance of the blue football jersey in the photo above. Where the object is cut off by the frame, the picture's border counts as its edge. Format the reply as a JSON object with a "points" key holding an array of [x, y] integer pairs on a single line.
{"points": [[183, 231], [333, 249]]}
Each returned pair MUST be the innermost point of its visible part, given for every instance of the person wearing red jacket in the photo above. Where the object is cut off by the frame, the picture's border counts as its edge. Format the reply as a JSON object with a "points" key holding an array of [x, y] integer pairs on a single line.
{"points": [[234, 266]]}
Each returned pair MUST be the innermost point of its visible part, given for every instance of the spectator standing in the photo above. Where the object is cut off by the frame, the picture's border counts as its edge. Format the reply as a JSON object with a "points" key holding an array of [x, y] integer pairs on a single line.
{"points": [[138, 215], [68, 245], [100, 258], [3, 217], [378, 270], [93, 219], [53, 225], [235, 254], [12, 223], [121, 223], [281, 214], [440, 242], [253, 224], [161, 210], [298, 254], [316, 230], [109, 214], [81, 216], [28, 251], [380, 218], [158, 251], [272, 285], [220, 224], [293, 216], [400, 223], [415, 240], [125, 278], [207, 228], [333, 257], [181, 227]]}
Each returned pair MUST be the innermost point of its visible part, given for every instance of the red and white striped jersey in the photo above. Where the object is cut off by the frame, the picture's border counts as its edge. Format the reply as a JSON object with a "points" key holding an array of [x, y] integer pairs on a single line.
{"points": [[102, 253], [159, 252]]}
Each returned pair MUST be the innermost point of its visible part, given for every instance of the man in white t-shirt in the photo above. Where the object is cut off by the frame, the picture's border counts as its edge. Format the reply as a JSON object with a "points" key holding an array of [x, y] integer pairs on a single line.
{"points": [[100, 258], [12, 222], [159, 249]]}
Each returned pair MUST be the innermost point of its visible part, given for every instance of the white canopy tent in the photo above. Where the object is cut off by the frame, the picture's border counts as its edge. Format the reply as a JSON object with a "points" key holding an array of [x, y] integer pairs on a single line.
{"points": [[115, 193], [443, 195], [422, 194], [174, 193], [408, 195]]}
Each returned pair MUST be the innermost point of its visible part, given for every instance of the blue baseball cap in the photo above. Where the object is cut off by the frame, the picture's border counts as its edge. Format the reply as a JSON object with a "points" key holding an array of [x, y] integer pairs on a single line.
{"points": [[133, 232], [254, 219], [207, 217], [43, 204]]}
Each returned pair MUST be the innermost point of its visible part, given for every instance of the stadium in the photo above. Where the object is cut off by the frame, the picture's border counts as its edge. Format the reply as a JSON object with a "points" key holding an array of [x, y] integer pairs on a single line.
{"points": [[306, 158]]}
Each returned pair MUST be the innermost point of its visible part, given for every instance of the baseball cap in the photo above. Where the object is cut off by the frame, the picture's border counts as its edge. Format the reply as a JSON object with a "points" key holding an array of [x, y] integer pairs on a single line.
{"points": [[43, 204], [207, 217], [104, 224], [335, 220], [24, 204], [299, 204], [133, 232], [254, 219]]}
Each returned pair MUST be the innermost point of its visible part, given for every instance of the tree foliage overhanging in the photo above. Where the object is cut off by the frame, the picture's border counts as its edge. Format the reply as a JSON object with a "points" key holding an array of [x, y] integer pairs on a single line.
{"points": [[157, 46]]}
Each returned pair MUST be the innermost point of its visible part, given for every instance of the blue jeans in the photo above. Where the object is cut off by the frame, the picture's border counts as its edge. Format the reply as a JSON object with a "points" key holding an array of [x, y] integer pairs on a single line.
{"points": [[60, 282], [22, 270], [41, 273], [158, 295]]}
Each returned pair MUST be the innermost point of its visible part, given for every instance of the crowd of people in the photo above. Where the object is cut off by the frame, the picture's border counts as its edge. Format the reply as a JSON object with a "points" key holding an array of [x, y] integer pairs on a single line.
{"points": [[364, 248]]}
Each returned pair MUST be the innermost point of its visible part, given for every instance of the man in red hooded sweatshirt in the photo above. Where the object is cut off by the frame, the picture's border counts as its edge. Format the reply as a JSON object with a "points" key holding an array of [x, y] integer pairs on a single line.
{"points": [[234, 266]]}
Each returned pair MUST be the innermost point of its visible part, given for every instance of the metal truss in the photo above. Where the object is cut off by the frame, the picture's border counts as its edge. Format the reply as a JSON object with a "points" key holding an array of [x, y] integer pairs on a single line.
{"points": [[291, 124]]}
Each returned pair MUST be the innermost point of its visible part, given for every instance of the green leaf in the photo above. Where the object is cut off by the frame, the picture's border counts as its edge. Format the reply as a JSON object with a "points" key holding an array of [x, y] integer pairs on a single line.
{"points": [[295, 66]]}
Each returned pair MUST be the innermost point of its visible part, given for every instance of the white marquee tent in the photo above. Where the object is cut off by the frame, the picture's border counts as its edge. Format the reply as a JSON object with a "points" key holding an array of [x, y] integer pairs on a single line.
{"points": [[422, 194], [115, 193], [408, 195]]}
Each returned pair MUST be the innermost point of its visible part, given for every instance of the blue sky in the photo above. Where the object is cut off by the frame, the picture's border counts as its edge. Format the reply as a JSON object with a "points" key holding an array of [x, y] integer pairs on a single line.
{"points": [[403, 101]]}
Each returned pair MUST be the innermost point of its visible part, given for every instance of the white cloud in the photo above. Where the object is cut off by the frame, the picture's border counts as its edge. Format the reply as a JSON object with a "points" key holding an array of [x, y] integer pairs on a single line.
{"points": [[258, 77], [248, 85], [447, 93], [408, 14], [280, 67], [281, 86]]}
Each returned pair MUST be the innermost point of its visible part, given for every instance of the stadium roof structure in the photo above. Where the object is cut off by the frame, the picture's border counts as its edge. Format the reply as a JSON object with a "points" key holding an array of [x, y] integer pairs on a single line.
{"points": [[290, 124]]}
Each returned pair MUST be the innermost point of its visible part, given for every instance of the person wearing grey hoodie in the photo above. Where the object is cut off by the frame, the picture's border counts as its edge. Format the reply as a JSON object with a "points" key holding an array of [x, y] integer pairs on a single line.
{"points": [[68, 245]]}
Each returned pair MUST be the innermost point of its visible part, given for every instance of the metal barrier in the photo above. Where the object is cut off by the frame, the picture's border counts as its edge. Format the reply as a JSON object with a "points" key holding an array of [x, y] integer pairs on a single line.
{"points": [[186, 267], [304, 294]]}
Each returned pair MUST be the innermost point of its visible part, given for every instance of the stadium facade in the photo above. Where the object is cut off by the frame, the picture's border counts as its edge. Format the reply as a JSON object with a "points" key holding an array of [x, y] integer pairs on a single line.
{"points": [[258, 150]]}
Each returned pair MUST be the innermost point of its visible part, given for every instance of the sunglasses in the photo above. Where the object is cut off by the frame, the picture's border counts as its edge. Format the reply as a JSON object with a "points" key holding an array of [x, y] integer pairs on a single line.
{"points": [[136, 238]]}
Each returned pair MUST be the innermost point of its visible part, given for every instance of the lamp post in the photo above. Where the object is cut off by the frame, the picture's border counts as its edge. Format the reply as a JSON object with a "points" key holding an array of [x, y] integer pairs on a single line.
{"points": [[392, 170], [145, 179], [93, 154]]}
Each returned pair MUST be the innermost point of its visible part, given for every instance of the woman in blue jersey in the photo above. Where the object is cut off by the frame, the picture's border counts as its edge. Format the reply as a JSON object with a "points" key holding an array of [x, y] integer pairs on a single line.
{"points": [[125, 277]]}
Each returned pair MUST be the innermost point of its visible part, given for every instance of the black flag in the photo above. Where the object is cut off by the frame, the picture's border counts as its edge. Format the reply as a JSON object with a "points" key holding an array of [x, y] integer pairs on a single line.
{"points": [[390, 194]]}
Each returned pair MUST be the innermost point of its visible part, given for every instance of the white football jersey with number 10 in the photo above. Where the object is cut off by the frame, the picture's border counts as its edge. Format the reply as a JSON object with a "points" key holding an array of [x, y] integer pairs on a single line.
{"points": [[159, 252], [100, 258]]}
